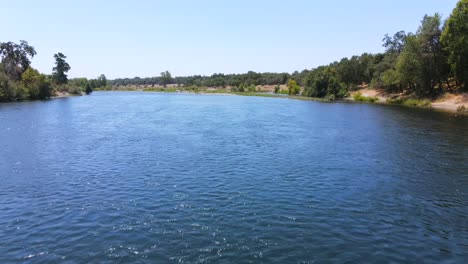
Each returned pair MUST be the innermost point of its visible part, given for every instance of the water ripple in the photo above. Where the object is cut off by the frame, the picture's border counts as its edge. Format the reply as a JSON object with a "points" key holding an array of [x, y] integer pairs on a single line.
{"points": [[130, 177]]}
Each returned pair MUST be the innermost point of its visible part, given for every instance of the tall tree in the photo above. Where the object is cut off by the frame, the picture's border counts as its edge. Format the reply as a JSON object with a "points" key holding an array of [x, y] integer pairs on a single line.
{"points": [[60, 69], [409, 64], [16, 58], [102, 81], [88, 89], [395, 43], [434, 61], [166, 78], [455, 40]]}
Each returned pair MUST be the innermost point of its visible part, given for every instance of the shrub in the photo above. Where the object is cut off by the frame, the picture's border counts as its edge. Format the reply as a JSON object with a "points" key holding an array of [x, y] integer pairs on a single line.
{"points": [[72, 89], [395, 101], [7, 88], [330, 97], [410, 102], [251, 88], [37, 84], [293, 87], [417, 103], [22, 92], [277, 89], [361, 98]]}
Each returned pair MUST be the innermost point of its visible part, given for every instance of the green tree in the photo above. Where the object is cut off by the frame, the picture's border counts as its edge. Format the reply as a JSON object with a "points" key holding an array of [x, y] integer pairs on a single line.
{"points": [[166, 78], [385, 66], [396, 43], [37, 84], [421, 64], [7, 88], [434, 62], [455, 41], [102, 81], [80, 82], [324, 82], [16, 58], [391, 80], [60, 69], [277, 89], [293, 87], [409, 63], [88, 89]]}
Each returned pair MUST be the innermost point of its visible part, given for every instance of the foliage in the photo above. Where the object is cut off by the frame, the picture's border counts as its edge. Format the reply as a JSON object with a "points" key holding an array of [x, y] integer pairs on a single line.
{"points": [[359, 97], [410, 102], [293, 87], [37, 84], [101, 81], [60, 69], [421, 66], [16, 58], [7, 88], [244, 88], [251, 88], [398, 100], [417, 103], [88, 89], [356, 70], [215, 80], [72, 89], [166, 78], [324, 82], [19, 81], [277, 89], [455, 41], [396, 43], [391, 80]]}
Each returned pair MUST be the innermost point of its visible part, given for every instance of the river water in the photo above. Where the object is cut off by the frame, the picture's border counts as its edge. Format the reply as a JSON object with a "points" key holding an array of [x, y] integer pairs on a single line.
{"points": [[171, 178]]}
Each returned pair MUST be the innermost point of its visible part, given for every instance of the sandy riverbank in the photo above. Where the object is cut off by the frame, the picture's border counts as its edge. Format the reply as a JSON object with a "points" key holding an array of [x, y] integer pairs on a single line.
{"points": [[65, 94], [447, 102]]}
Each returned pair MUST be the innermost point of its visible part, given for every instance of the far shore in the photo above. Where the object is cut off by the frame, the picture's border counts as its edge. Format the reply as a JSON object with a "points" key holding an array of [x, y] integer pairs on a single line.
{"points": [[448, 102]]}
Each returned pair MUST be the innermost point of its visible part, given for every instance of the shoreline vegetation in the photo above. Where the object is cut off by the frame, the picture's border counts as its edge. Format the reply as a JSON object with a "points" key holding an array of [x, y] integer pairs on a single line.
{"points": [[21, 82], [426, 69]]}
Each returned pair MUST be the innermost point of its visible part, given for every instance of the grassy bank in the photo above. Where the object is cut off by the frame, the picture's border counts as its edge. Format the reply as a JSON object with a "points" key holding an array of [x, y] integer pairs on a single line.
{"points": [[412, 102]]}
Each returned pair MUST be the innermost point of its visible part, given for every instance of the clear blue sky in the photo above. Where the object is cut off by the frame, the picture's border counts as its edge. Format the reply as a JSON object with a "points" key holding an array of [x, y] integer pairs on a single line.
{"points": [[144, 37]]}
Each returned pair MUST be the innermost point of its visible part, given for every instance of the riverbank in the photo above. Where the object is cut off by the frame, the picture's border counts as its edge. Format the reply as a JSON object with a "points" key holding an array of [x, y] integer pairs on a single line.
{"points": [[448, 102], [63, 94], [56, 95]]}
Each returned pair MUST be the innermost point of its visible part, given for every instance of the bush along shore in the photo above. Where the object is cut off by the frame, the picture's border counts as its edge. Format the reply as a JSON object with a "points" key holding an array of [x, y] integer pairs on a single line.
{"points": [[19, 81]]}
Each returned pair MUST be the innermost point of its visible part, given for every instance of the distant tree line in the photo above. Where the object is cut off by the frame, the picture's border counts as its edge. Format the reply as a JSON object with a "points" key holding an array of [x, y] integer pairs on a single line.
{"points": [[426, 63], [19, 81], [215, 80]]}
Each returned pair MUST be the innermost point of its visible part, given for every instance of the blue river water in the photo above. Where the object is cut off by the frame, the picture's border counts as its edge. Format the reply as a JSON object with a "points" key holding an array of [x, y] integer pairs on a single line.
{"points": [[177, 178]]}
